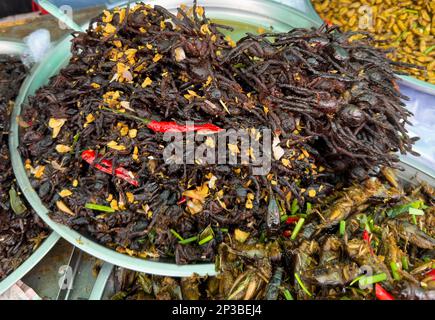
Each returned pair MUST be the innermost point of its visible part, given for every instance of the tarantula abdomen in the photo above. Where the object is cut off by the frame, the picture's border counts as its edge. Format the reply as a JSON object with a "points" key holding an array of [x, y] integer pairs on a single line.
{"points": [[352, 115]]}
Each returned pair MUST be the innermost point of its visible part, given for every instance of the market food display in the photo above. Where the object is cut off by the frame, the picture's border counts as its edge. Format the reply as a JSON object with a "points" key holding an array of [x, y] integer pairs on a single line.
{"points": [[382, 246], [407, 27], [330, 209], [21, 230]]}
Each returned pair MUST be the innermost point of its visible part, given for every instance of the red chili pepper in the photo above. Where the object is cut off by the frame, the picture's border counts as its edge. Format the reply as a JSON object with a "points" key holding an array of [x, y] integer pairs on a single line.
{"points": [[291, 220], [182, 200], [36, 7], [162, 126], [382, 294], [432, 274], [366, 238], [287, 233], [106, 166], [168, 126]]}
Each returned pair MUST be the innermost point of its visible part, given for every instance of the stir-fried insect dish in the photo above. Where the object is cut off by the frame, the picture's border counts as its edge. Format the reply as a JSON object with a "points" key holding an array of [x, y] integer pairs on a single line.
{"points": [[94, 144], [21, 231], [383, 248]]}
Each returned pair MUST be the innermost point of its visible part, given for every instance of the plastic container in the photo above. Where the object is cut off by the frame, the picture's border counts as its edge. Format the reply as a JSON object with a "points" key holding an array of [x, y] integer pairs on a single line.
{"points": [[15, 48], [255, 13], [408, 81]]}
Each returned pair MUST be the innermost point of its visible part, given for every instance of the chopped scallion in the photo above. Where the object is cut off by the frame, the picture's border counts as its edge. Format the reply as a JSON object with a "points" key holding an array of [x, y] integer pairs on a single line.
{"points": [[342, 227], [98, 207], [295, 207], [356, 279], [298, 279], [297, 228], [394, 270], [284, 217], [188, 240], [367, 280], [309, 207], [416, 212], [177, 235], [288, 295], [405, 265], [205, 240]]}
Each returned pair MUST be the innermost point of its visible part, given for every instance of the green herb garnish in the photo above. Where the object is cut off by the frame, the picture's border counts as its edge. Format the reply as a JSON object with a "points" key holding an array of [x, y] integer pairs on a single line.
{"points": [[297, 228], [298, 279], [98, 207], [342, 227], [205, 240], [394, 270], [287, 295], [177, 235], [367, 280], [188, 240], [295, 206]]}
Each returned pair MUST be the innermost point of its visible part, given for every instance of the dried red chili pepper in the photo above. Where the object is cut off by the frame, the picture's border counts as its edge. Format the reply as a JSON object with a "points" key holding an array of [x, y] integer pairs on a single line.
{"points": [[169, 126], [287, 233], [366, 238], [106, 166], [432, 274], [291, 220], [382, 294], [182, 200], [162, 126]]}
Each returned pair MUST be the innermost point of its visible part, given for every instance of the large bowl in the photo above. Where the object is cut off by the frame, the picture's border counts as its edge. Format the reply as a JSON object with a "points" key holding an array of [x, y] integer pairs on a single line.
{"points": [[15, 48], [408, 81], [255, 13]]}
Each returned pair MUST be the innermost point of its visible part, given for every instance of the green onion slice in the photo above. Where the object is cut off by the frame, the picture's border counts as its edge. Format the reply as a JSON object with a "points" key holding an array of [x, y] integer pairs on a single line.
{"points": [[205, 240], [416, 212], [342, 227], [294, 207], [188, 240], [405, 263], [356, 279], [367, 280], [297, 228], [99, 207], [394, 270], [177, 235], [298, 279], [309, 207], [288, 295]]}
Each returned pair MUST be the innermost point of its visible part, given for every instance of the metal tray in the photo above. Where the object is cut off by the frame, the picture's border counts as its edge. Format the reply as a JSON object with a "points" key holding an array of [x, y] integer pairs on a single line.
{"points": [[408, 81], [15, 48]]}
